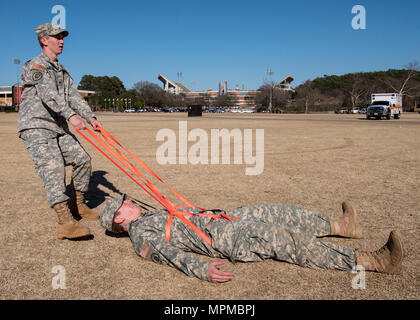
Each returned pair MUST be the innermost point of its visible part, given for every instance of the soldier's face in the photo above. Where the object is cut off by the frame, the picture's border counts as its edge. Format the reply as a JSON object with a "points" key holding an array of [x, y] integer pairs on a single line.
{"points": [[127, 213], [54, 44]]}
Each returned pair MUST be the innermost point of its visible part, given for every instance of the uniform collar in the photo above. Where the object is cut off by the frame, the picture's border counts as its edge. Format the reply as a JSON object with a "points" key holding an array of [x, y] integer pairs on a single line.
{"points": [[139, 219], [55, 64]]}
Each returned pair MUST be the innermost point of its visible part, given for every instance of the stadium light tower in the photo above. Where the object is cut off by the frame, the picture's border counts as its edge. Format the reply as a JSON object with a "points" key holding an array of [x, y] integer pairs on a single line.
{"points": [[17, 63]]}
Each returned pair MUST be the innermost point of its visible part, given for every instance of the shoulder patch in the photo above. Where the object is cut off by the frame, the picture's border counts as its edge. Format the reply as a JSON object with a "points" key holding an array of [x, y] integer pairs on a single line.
{"points": [[148, 252], [37, 66], [37, 75], [144, 250]]}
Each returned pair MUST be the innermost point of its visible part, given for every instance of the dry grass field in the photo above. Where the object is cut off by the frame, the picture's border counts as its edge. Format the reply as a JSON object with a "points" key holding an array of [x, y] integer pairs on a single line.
{"points": [[313, 161]]}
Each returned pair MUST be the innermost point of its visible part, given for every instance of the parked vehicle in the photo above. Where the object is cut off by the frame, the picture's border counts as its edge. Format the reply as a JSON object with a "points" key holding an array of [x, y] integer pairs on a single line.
{"points": [[385, 105]]}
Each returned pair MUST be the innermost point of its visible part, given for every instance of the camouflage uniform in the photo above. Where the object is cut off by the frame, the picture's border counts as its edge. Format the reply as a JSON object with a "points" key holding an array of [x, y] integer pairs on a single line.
{"points": [[270, 231], [49, 99]]}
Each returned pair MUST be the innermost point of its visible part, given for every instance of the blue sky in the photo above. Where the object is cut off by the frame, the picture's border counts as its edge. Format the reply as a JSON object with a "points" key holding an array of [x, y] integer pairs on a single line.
{"points": [[210, 41]]}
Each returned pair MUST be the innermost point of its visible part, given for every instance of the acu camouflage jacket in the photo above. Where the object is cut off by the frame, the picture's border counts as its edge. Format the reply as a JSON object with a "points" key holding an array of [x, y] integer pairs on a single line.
{"points": [[49, 96], [147, 235]]}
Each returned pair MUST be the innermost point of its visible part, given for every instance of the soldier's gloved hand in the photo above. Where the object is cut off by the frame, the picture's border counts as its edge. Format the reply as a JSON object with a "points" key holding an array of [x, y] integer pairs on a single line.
{"points": [[95, 123], [77, 122], [216, 275]]}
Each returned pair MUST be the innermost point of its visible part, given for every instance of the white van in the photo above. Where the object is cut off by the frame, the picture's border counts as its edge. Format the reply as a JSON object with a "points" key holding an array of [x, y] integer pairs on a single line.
{"points": [[385, 105]]}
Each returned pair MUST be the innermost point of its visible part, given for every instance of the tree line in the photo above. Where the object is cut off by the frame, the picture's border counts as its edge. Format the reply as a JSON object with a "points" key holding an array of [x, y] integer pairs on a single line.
{"points": [[326, 93], [110, 93], [354, 89], [332, 92]]}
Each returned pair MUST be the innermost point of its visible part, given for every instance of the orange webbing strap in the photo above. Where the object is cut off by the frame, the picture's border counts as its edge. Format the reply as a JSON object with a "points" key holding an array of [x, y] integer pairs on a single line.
{"points": [[109, 158], [107, 134], [150, 188], [126, 162], [181, 215]]}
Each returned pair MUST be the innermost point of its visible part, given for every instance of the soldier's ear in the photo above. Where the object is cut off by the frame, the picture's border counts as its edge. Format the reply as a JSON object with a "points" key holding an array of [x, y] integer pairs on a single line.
{"points": [[44, 41], [118, 219]]}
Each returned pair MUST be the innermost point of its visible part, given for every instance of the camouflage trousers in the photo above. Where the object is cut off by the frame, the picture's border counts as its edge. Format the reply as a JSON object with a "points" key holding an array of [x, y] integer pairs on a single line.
{"points": [[51, 152], [281, 232]]}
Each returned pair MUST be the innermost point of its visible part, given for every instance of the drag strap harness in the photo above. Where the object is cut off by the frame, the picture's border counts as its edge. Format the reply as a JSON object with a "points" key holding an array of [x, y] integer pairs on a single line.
{"points": [[114, 148]]}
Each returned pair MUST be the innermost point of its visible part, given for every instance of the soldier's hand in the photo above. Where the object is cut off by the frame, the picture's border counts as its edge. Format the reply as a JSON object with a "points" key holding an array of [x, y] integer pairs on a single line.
{"points": [[216, 275], [95, 123], [77, 122]]}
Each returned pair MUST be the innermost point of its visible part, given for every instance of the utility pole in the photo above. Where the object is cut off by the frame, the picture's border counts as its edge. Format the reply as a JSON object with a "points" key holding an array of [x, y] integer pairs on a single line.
{"points": [[179, 74], [270, 106]]}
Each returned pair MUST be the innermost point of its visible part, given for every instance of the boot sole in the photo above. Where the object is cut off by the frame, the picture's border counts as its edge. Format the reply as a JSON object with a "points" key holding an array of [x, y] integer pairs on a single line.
{"points": [[90, 218], [61, 234], [347, 208], [397, 243]]}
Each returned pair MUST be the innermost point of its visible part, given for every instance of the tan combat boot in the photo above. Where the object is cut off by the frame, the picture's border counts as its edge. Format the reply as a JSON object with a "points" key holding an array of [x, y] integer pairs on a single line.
{"points": [[348, 225], [67, 227], [79, 207], [388, 259]]}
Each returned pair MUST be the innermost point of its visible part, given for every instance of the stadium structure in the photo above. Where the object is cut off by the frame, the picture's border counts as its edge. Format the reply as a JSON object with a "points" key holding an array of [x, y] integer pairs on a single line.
{"points": [[240, 98]]}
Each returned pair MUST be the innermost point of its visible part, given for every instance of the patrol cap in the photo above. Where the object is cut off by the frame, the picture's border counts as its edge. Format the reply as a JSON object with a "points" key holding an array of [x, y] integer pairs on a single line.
{"points": [[106, 217], [50, 29]]}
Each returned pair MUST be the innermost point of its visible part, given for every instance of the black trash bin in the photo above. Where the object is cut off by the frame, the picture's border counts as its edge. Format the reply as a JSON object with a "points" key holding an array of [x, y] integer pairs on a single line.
{"points": [[195, 110]]}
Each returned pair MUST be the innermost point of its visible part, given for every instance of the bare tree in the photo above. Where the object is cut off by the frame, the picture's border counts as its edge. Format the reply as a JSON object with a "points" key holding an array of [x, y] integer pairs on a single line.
{"points": [[225, 100], [269, 88], [280, 98], [268, 92], [406, 86], [356, 89], [263, 96], [307, 95], [152, 94]]}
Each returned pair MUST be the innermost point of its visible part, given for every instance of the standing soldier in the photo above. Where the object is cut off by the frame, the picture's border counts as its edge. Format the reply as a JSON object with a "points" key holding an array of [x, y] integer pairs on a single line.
{"points": [[50, 99]]}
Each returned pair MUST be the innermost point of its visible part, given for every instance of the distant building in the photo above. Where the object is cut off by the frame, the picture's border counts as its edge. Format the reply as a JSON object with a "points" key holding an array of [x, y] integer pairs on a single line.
{"points": [[172, 86], [241, 98], [8, 98], [285, 84]]}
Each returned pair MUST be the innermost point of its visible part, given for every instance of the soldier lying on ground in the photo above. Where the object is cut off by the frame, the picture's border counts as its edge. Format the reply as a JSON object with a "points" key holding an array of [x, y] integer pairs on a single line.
{"points": [[270, 231]]}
